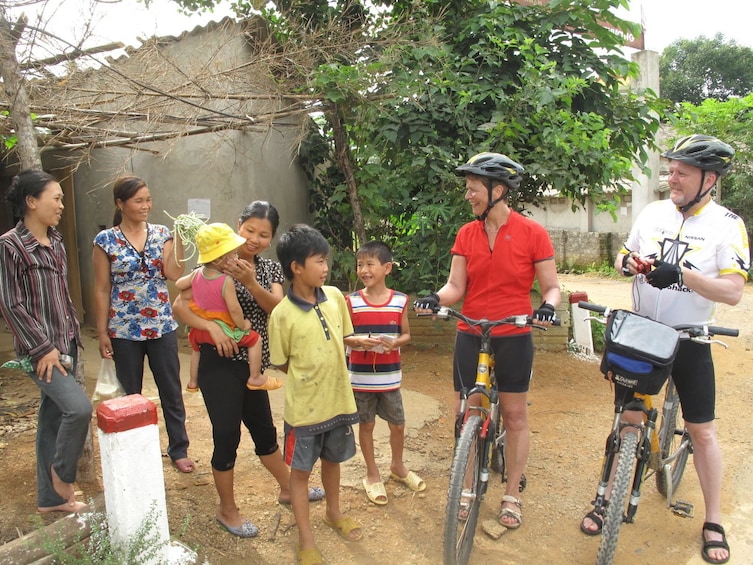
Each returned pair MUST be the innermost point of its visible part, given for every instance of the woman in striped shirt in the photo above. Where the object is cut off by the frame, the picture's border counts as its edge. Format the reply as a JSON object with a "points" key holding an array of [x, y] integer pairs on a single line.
{"points": [[36, 305]]}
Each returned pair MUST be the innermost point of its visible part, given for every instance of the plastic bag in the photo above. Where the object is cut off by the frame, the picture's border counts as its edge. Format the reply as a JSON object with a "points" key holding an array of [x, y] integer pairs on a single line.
{"points": [[108, 386]]}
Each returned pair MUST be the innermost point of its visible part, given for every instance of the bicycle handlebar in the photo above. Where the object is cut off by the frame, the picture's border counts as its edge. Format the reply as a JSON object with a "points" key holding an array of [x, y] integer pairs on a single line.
{"points": [[702, 331], [593, 307], [691, 330], [520, 321]]}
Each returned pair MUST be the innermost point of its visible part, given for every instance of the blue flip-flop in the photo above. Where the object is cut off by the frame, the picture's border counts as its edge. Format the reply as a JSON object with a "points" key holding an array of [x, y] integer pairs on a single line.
{"points": [[245, 530]]}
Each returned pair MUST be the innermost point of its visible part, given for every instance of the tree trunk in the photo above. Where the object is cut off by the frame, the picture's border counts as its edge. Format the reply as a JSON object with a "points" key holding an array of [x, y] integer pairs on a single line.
{"points": [[342, 150], [29, 158], [13, 83]]}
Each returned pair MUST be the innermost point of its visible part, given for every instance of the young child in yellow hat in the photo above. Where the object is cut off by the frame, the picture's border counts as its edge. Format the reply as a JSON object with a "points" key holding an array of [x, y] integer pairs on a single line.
{"points": [[211, 295]]}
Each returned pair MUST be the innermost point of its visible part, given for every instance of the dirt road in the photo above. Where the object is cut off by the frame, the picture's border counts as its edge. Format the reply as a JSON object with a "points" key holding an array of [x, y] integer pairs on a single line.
{"points": [[570, 413]]}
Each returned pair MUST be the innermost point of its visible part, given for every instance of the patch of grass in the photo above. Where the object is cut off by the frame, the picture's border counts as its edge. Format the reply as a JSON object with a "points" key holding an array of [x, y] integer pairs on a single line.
{"points": [[603, 269], [99, 548]]}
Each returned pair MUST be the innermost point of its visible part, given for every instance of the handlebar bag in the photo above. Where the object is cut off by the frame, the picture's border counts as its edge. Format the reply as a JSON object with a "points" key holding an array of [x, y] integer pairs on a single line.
{"points": [[639, 352]]}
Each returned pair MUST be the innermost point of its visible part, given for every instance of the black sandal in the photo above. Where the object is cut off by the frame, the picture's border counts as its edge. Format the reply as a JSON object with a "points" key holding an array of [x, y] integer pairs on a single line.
{"points": [[713, 544], [597, 517]]}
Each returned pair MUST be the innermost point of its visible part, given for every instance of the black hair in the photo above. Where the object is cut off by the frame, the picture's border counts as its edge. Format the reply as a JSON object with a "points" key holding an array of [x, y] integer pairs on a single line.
{"points": [[123, 190], [262, 210], [31, 182], [298, 244], [377, 249]]}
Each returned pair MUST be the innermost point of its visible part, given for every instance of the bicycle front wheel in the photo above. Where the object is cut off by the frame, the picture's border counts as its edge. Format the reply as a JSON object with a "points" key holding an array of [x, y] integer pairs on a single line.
{"points": [[464, 495], [614, 515], [671, 438]]}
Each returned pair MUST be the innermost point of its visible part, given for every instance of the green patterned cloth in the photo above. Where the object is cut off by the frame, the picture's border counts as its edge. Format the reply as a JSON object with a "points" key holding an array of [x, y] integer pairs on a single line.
{"points": [[23, 363]]}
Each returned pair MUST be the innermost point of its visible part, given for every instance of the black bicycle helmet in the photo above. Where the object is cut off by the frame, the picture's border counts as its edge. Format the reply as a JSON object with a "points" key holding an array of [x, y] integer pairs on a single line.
{"points": [[493, 166], [703, 151]]}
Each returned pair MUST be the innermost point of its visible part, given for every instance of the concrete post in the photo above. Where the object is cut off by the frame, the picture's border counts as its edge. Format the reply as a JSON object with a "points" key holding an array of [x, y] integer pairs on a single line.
{"points": [[646, 189], [132, 474], [581, 327]]}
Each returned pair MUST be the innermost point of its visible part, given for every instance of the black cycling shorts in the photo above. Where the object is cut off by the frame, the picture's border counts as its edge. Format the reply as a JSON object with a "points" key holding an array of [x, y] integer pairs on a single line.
{"points": [[513, 359]]}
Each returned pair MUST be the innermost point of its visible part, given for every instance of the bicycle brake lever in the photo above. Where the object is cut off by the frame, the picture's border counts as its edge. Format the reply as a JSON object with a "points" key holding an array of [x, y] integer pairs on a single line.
{"points": [[443, 312], [521, 321]]}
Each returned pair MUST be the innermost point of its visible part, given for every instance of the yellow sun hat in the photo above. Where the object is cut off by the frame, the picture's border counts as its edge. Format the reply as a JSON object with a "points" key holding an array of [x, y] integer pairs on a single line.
{"points": [[215, 240]]}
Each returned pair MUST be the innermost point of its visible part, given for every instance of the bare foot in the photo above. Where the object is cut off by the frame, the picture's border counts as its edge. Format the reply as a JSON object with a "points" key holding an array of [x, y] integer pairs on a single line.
{"points": [[267, 383], [64, 490], [400, 470], [257, 380], [71, 506], [590, 525]]}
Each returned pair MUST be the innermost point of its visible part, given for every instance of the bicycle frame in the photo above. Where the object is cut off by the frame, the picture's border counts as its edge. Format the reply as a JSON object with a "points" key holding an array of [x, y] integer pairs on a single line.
{"points": [[477, 431], [641, 448], [485, 386]]}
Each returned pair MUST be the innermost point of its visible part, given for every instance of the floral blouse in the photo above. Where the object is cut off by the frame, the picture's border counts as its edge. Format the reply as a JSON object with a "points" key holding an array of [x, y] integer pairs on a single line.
{"points": [[139, 304]]}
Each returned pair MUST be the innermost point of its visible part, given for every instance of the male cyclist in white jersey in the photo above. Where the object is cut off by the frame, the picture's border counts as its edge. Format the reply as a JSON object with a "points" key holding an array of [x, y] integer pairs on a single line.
{"points": [[695, 253]]}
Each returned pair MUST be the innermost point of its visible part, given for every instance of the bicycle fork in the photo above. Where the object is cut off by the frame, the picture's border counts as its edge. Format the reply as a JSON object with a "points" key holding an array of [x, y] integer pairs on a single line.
{"points": [[643, 455], [612, 451], [488, 434]]}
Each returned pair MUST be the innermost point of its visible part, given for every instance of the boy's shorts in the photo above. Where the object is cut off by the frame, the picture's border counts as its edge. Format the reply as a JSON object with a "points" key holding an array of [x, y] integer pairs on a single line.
{"points": [[387, 405], [336, 445]]}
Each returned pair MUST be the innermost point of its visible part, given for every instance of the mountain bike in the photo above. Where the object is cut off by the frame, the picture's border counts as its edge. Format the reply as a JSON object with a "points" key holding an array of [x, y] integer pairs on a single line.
{"points": [[479, 441], [639, 353]]}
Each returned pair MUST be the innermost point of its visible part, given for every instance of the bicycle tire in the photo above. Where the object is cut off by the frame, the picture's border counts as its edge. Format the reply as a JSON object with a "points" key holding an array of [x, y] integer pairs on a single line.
{"points": [[458, 533], [669, 442], [615, 510]]}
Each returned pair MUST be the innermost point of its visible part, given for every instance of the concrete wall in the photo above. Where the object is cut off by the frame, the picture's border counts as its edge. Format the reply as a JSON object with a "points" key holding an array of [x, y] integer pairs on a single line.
{"points": [[557, 213], [574, 249], [227, 183], [221, 171]]}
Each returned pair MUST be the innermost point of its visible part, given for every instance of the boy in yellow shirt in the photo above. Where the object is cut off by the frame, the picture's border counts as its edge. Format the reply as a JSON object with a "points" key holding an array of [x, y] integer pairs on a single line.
{"points": [[306, 334]]}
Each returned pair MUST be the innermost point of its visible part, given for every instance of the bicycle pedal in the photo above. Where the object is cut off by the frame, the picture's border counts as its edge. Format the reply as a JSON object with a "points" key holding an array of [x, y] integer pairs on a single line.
{"points": [[682, 508]]}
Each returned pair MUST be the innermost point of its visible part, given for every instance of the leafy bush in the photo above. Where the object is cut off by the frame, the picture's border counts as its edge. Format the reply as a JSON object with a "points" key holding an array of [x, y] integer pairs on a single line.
{"points": [[597, 335]]}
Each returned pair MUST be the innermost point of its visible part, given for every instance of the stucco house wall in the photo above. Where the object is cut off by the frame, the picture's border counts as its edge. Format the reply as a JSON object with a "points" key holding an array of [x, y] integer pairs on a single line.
{"points": [[221, 172]]}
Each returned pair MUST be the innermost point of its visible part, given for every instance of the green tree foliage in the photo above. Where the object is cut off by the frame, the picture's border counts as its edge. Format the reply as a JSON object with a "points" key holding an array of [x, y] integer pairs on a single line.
{"points": [[692, 70], [732, 122], [422, 86]]}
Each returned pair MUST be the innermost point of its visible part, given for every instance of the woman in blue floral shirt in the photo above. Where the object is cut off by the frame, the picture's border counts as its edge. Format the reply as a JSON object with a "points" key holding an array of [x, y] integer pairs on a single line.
{"points": [[133, 261]]}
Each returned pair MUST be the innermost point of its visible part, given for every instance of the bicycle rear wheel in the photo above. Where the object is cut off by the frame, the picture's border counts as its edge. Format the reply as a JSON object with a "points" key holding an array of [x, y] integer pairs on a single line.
{"points": [[464, 495], [671, 438], [614, 515]]}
